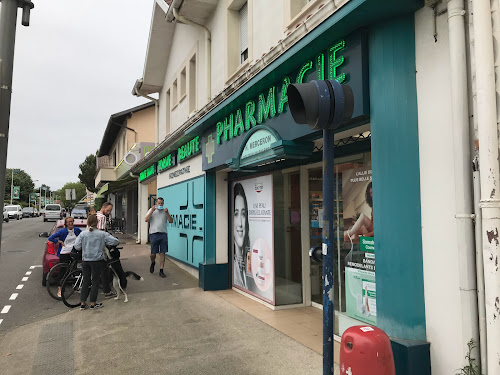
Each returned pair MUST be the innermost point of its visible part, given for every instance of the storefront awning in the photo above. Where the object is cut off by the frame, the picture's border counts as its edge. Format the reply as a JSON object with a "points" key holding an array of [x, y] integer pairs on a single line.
{"points": [[117, 186], [263, 145], [104, 189]]}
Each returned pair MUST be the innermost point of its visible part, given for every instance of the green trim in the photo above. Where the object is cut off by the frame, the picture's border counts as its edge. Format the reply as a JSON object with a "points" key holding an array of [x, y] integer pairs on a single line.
{"points": [[396, 182]]}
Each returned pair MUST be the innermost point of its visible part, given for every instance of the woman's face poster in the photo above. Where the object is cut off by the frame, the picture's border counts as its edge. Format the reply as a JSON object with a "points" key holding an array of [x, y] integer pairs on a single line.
{"points": [[252, 234]]}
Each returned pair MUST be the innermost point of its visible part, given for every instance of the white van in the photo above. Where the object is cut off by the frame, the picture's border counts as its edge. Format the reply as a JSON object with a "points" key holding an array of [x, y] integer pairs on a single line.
{"points": [[15, 211], [52, 212]]}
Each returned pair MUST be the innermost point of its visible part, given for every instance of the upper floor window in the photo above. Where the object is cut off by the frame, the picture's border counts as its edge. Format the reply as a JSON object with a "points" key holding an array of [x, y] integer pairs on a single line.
{"points": [[243, 33], [296, 11], [239, 36]]}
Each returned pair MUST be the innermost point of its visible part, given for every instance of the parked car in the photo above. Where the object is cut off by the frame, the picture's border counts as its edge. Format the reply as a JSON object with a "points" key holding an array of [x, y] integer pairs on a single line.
{"points": [[79, 213], [5, 215], [50, 258], [28, 212], [15, 211], [52, 212]]}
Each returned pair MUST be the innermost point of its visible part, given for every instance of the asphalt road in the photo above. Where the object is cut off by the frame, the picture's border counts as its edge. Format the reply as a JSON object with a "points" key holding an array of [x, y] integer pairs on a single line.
{"points": [[22, 249]]}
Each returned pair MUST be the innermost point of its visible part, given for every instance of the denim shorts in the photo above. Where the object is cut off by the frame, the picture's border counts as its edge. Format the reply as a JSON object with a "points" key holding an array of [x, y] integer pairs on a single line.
{"points": [[159, 243]]}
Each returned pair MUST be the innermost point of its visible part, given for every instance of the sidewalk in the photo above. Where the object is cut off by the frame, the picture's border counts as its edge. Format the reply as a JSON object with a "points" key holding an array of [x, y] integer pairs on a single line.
{"points": [[168, 326]]}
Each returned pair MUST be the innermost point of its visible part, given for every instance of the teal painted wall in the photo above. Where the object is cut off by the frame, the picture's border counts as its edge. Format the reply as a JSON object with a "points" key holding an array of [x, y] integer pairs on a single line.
{"points": [[396, 180], [186, 203]]}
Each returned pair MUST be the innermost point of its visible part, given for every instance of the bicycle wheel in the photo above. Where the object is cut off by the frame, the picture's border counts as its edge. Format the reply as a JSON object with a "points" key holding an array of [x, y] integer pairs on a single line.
{"points": [[54, 279], [71, 288]]}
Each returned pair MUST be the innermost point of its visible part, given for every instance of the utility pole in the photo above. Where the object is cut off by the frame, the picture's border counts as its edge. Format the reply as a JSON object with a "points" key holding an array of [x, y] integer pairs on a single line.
{"points": [[8, 18]]}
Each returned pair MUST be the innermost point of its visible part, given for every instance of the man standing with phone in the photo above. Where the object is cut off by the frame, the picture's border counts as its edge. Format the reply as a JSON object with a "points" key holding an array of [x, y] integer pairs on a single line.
{"points": [[157, 217]]}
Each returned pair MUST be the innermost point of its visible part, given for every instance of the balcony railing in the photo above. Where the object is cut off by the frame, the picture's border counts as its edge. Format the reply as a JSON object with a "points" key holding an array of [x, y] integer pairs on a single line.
{"points": [[104, 162]]}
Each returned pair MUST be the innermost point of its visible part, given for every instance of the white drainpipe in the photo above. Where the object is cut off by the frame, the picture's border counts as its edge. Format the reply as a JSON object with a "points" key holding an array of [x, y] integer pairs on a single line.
{"points": [[490, 176], [208, 48], [479, 267], [463, 173]]}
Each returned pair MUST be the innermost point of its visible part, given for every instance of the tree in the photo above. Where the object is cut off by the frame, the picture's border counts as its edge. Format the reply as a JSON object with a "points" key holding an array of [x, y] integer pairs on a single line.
{"points": [[88, 168], [22, 179], [80, 193]]}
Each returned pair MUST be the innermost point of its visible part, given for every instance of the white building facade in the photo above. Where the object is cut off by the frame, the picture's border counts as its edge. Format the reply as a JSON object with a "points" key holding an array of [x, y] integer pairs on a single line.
{"points": [[425, 109]]}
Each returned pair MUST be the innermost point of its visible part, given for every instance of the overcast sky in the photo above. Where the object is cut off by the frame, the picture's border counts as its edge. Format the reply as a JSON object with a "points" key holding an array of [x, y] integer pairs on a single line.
{"points": [[74, 66]]}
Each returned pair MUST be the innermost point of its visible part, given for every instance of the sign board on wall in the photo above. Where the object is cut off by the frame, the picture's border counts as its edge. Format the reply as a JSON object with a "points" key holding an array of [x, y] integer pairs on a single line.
{"points": [[184, 152], [266, 102], [252, 235], [360, 286], [185, 202]]}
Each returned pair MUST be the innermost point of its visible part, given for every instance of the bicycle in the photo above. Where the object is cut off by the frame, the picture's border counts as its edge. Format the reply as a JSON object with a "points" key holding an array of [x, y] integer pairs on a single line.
{"points": [[72, 284], [56, 275]]}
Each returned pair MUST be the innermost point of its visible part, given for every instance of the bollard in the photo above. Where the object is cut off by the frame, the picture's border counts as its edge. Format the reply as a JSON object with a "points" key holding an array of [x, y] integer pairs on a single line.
{"points": [[366, 350]]}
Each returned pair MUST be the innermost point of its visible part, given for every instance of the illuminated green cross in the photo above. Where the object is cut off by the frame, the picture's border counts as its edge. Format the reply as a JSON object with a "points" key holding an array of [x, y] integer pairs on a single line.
{"points": [[209, 148]]}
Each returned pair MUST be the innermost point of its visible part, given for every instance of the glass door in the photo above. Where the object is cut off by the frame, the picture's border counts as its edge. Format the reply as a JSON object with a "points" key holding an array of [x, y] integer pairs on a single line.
{"points": [[345, 245]]}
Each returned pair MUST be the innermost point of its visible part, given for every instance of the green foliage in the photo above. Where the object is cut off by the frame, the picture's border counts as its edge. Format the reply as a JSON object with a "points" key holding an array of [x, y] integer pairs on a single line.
{"points": [[472, 368], [88, 168], [21, 179], [79, 190]]}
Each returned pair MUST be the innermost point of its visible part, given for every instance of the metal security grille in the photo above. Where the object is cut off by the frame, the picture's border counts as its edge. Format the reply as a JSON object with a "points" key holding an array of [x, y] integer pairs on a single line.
{"points": [[244, 33]]}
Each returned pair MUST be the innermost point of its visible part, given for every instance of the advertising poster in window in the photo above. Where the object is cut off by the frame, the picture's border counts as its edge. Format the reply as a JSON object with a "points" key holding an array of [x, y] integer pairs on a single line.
{"points": [[252, 221], [359, 238]]}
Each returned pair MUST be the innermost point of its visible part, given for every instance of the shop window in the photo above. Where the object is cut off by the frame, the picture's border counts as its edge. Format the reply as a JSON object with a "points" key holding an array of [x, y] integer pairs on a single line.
{"points": [[192, 84], [182, 84], [287, 238], [354, 260], [266, 237]]}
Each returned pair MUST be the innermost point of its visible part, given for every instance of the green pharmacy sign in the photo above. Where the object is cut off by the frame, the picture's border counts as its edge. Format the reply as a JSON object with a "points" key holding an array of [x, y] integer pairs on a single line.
{"points": [[189, 149], [166, 163], [147, 173], [264, 100], [184, 152]]}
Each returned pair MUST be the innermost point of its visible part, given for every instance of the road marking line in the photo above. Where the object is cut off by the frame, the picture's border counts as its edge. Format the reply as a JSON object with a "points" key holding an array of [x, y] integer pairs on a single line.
{"points": [[20, 286], [33, 267], [1, 320], [28, 273], [5, 309], [13, 296], [24, 279]]}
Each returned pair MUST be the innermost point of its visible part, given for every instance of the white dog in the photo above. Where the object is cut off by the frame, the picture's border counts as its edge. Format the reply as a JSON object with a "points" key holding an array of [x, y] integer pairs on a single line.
{"points": [[118, 285]]}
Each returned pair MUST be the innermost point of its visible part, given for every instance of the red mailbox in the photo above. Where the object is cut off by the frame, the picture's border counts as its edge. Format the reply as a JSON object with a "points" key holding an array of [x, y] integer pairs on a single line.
{"points": [[366, 350]]}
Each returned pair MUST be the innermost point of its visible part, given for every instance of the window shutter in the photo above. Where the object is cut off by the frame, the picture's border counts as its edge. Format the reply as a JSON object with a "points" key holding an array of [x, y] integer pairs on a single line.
{"points": [[244, 28]]}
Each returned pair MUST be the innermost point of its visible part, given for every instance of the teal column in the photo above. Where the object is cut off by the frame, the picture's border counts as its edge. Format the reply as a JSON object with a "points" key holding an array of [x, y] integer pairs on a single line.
{"points": [[396, 179], [210, 215]]}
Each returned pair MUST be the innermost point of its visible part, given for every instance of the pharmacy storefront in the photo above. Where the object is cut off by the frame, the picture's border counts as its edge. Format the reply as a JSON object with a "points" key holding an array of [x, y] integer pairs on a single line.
{"points": [[264, 176], [177, 177], [273, 173]]}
